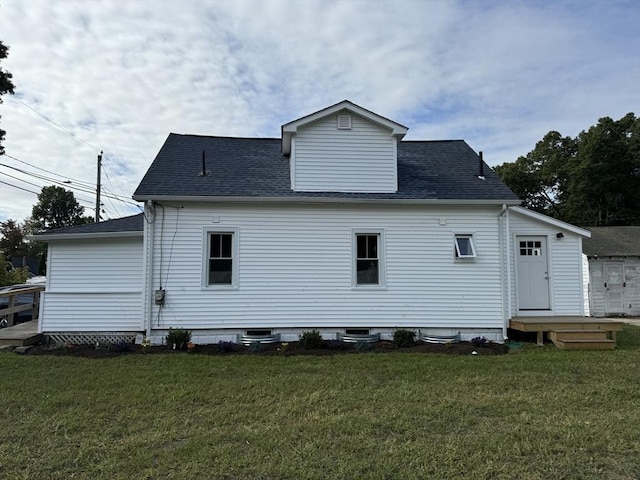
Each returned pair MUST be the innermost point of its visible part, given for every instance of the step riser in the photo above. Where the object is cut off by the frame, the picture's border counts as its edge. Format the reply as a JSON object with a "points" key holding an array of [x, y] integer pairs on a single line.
{"points": [[580, 336], [586, 346]]}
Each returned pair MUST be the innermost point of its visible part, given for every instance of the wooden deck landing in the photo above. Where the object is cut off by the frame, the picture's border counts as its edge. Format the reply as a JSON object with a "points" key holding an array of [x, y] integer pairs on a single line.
{"points": [[20, 335], [575, 329]]}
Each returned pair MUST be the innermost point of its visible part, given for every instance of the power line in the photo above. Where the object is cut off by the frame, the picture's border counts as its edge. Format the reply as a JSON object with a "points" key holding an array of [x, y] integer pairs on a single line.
{"points": [[45, 170], [83, 186], [20, 188], [121, 198], [54, 123]]}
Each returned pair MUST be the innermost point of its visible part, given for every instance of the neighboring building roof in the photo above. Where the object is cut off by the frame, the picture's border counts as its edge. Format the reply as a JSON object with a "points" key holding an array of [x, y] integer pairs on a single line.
{"points": [[291, 128], [252, 168], [552, 221], [613, 242], [119, 227]]}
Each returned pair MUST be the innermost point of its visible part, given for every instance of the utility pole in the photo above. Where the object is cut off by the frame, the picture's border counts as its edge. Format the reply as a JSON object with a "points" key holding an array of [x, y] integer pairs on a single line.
{"points": [[98, 188]]}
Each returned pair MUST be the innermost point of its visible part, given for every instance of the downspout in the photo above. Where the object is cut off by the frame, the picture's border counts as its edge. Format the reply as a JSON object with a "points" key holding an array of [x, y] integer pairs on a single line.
{"points": [[149, 230], [504, 255]]}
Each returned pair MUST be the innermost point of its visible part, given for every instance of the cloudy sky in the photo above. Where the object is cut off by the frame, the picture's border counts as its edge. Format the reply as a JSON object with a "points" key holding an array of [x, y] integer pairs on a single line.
{"points": [[119, 76]]}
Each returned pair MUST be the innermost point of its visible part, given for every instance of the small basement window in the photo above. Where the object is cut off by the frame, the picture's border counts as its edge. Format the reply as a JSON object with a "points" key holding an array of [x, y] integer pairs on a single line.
{"points": [[464, 247], [344, 122]]}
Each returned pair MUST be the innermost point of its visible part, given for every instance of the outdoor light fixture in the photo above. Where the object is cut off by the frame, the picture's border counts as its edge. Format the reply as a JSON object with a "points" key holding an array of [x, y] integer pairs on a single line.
{"points": [[559, 235]]}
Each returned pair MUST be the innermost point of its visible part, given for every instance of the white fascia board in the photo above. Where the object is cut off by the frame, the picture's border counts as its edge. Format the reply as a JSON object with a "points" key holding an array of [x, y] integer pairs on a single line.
{"points": [[82, 236], [291, 128], [343, 200], [551, 221]]}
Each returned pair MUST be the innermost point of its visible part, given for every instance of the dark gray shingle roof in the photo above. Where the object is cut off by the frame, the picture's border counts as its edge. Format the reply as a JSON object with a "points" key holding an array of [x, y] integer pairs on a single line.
{"points": [[255, 167], [612, 241], [133, 223]]}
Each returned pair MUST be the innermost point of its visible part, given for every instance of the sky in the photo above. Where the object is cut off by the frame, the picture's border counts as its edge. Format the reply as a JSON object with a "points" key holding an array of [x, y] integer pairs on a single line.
{"points": [[118, 76]]}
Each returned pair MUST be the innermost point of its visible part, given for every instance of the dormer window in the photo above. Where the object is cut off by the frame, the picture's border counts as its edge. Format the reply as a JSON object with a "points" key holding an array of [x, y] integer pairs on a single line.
{"points": [[344, 122]]}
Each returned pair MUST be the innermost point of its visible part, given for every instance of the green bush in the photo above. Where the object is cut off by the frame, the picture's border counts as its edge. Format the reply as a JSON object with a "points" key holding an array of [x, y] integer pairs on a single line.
{"points": [[10, 275], [404, 338], [311, 339], [177, 338]]}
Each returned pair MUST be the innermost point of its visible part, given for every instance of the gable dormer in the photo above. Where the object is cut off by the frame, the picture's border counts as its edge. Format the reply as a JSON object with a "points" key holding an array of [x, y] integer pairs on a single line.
{"points": [[343, 148]]}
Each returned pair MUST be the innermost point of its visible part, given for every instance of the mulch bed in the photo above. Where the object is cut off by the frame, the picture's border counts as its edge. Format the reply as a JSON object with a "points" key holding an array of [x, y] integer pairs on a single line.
{"points": [[292, 348]]}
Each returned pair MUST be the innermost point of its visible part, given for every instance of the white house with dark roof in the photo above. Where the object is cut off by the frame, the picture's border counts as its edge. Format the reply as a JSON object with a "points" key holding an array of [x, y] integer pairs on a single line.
{"points": [[340, 225]]}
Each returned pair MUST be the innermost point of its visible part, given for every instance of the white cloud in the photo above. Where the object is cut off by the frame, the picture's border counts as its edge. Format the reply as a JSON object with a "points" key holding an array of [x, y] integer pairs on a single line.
{"points": [[122, 75]]}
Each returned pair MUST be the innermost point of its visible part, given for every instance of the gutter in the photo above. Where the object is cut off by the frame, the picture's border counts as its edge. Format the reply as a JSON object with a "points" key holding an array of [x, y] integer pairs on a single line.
{"points": [[314, 200], [82, 236]]}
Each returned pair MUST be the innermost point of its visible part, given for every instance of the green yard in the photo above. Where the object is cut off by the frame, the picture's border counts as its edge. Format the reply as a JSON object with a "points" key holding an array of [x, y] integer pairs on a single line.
{"points": [[536, 413]]}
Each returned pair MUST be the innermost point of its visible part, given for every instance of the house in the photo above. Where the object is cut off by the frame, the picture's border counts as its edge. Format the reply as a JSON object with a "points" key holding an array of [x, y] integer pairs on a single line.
{"points": [[614, 269], [339, 225]]}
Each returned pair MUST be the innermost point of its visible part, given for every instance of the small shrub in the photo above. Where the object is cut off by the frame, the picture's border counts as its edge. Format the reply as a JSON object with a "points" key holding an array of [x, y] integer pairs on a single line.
{"points": [[226, 347], [310, 340], [177, 338], [255, 347], [364, 346], [404, 338], [479, 341]]}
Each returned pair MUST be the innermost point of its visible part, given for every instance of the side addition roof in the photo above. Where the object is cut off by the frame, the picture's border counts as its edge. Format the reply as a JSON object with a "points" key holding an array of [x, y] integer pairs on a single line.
{"points": [[246, 169], [613, 242], [131, 226]]}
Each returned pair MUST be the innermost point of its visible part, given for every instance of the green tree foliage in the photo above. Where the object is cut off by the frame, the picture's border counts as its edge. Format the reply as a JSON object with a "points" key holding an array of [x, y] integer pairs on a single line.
{"points": [[56, 208], [6, 86], [10, 275], [593, 179], [12, 241]]}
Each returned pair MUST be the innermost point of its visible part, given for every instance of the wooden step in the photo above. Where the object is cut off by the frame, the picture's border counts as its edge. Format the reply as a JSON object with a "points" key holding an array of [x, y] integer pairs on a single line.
{"points": [[579, 334], [583, 339]]}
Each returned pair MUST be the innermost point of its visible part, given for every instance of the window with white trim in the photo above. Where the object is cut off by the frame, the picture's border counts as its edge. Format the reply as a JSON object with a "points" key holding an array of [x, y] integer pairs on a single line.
{"points": [[220, 268], [368, 259], [464, 247]]}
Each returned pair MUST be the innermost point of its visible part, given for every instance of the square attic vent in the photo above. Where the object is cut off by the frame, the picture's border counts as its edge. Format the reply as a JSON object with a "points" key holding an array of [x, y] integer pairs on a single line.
{"points": [[344, 122]]}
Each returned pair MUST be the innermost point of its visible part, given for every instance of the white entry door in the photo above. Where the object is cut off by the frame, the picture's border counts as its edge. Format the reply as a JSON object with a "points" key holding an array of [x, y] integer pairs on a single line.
{"points": [[533, 273], [613, 283]]}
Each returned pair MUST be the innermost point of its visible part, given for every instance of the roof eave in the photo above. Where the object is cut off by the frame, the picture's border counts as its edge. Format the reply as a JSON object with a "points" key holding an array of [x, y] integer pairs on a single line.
{"points": [[291, 128], [47, 237], [552, 221], [303, 199]]}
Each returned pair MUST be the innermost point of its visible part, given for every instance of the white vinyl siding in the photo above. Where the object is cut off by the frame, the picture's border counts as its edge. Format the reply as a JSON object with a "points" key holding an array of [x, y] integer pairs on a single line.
{"points": [[93, 285], [295, 268], [564, 264], [325, 158]]}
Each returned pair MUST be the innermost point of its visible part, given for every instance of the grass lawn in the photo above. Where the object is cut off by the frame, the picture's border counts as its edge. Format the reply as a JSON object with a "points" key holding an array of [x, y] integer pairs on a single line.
{"points": [[536, 413]]}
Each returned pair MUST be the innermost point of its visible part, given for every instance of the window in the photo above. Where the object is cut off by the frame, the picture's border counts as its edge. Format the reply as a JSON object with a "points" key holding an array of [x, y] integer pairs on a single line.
{"points": [[530, 248], [369, 265], [220, 264], [464, 248]]}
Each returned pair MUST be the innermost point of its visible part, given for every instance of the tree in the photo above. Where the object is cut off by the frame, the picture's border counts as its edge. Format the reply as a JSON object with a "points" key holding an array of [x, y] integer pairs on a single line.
{"points": [[540, 178], [6, 86], [56, 208], [10, 275], [593, 179], [12, 242]]}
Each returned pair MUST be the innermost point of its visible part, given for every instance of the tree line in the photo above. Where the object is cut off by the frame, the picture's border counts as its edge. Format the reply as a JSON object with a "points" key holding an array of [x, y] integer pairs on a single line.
{"points": [[590, 180]]}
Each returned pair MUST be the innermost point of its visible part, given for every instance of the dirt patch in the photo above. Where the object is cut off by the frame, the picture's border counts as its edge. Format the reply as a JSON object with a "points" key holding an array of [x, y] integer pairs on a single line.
{"points": [[287, 349]]}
